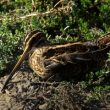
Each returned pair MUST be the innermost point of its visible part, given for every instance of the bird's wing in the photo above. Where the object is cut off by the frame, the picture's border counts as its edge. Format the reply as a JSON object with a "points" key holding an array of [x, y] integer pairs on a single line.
{"points": [[64, 59]]}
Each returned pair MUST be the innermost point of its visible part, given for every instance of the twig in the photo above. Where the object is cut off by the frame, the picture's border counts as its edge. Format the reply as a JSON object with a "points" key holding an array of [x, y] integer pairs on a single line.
{"points": [[65, 9], [46, 13]]}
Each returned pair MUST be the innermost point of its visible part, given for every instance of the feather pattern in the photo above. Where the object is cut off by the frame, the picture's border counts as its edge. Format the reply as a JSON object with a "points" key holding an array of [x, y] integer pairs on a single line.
{"points": [[70, 59]]}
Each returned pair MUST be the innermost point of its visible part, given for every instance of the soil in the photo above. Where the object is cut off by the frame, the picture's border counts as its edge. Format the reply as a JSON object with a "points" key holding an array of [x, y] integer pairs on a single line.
{"points": [[25, 91]]}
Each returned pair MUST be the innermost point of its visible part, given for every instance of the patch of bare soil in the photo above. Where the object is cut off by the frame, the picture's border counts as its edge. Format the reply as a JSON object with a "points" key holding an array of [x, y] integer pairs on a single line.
{"points": [[26, 92]]}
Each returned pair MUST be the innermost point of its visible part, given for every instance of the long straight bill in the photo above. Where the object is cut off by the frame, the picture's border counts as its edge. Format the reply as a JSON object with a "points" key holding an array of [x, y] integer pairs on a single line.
{"points": [[23, 56]]}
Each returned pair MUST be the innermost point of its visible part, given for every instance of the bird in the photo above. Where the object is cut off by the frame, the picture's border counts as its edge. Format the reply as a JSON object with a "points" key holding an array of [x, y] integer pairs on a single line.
{"points": [[65, 61]]}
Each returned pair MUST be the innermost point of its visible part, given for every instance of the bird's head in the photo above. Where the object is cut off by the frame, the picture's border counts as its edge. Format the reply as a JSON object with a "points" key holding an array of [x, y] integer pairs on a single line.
{"points": [[33, 40]]}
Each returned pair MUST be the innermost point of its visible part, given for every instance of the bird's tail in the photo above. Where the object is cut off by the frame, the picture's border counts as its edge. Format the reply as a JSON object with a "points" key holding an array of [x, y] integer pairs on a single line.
{"points": [[104, 40]]}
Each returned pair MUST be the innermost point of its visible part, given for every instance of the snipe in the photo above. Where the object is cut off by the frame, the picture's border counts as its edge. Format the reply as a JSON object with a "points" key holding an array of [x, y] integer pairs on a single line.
{"points": [[69, 60]]}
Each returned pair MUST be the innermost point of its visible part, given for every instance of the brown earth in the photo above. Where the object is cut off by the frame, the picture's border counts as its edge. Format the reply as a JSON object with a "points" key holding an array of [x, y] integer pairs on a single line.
{"points": [[26, 92]]}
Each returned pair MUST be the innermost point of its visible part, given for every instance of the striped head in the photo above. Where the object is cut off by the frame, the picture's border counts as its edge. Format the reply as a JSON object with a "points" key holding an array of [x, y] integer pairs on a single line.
{"points": [[33, 39]]}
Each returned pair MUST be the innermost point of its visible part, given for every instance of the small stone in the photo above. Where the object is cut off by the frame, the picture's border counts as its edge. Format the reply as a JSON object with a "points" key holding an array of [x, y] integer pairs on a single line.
{"points": [[43, 106], [20, 89]]}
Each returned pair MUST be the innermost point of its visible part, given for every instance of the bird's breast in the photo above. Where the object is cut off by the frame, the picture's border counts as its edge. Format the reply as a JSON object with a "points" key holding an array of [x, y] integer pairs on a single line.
{"points": [[36, 61]]}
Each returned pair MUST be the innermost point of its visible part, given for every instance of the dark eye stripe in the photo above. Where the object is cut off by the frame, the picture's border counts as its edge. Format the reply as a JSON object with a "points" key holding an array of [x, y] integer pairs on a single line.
{"points": [[29, 35], [37, 39]]}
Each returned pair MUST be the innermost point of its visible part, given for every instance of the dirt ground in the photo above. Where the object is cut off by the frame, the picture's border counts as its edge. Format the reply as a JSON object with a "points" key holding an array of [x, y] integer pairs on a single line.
{"points": [[26, 92]]}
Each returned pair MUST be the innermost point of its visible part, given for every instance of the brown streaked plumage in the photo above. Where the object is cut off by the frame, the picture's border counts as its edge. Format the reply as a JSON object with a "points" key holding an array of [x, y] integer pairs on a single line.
{"points": [[69, 60]]}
